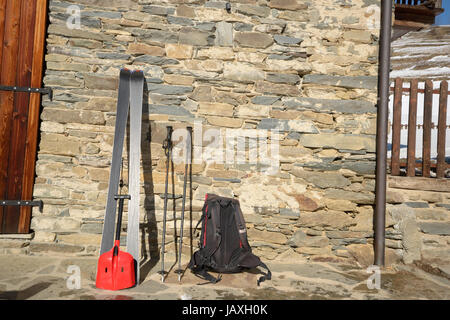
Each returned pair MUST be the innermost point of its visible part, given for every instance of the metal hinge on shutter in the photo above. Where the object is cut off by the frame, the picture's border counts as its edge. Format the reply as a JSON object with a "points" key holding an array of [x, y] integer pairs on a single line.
{"points": [[47, 91], [37, 203]]}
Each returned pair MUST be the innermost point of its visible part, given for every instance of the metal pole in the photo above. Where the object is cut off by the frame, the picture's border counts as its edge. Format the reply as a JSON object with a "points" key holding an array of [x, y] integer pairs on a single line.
{"points": [[167, 149], [382, 121], [183, 206]]}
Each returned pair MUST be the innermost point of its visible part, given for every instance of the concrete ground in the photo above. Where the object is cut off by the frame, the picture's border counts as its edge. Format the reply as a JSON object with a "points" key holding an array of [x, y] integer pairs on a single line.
{"points": [[25, 277]]}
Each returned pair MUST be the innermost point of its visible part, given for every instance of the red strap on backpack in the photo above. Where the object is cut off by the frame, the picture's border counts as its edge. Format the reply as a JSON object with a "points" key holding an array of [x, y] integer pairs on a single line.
{"points": [[206, 220]]}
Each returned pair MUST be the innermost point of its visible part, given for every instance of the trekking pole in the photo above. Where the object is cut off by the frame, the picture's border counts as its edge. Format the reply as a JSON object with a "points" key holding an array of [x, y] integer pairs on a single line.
{"points": [[167, 146], [188, 160]]}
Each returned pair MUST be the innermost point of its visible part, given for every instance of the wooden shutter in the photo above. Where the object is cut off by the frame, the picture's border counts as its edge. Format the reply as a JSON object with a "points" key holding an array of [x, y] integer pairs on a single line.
{"points": [[22, 45]]}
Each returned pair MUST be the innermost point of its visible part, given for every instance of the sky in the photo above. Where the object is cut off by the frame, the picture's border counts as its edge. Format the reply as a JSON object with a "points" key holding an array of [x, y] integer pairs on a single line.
{"points": [[444, 18]]}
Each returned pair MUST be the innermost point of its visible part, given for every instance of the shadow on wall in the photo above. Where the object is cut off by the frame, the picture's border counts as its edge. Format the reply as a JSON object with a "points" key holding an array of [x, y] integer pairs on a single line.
{"points": [[149, 233], [150, 252]]}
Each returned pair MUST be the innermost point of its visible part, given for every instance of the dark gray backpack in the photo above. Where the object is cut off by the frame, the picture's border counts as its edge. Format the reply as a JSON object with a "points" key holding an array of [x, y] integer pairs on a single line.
{"points": [[224, 247]]}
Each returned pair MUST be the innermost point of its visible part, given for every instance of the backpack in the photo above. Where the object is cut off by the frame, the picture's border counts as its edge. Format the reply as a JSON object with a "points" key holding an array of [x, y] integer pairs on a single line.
{"points": [[224, 247]]}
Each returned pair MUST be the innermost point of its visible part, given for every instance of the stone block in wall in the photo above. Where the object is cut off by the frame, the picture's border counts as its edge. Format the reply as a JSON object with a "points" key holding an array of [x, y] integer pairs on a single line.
{"points": [[59, 144], [357, 82], [253, 111], [225, 122], [266, 236], [405, 219], [81, 239], [360, 167], [76, 33], [419, 183], [219, 53], [153, 35], [180, 21], [339, 141], [63, 81], [288, 78], [217, 109], [439, 228], [314, 251], [306, 203], [253, 10], [300, 126], [301, 239], [73, 116], [330, 105], [185, 11], [286, 41], [224, 34], [322, 180], [253, 39], [361, 36], [154, 60], [297, 16], [42, 223], [67, 66], [333, 219], [433, 214], [195, 37], [105, 104], [94, 81], [277, 65], [289, 212], [364, 254], [288, 4], [177, 79], [158, 10], [142, 48], [37, 247], [242, 72], [265, 100], [169, 89], [179, 51], [266, 87], [357, 197]]}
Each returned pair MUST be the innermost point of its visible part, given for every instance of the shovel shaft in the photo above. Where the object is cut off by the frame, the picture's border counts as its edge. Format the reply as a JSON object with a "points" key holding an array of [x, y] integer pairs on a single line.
{"points": [[121, 198]]}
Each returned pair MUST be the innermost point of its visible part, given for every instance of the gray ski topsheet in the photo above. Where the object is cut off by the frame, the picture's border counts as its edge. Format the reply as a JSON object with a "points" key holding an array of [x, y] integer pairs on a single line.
{"points": [[136, 96], [123, 101]]}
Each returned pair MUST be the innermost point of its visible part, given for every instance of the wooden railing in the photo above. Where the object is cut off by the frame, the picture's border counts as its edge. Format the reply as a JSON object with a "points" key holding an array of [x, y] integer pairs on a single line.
{"points": [[433, 3], [423, 163]]}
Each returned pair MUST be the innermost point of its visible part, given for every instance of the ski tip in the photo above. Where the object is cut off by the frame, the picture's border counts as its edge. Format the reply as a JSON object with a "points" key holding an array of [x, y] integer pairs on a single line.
{"points": [[138, 73]]}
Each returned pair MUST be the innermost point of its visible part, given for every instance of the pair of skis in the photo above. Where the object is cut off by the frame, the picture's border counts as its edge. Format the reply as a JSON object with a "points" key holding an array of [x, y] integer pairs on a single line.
{"points": [[167, 146], [130, 98]]}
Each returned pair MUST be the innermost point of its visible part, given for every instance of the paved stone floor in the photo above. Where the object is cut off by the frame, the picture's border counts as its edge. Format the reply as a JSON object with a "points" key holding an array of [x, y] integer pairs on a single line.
{"points": [[49, 278]]}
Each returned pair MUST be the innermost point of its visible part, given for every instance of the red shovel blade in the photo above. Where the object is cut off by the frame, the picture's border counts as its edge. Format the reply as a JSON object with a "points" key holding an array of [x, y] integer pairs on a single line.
{"points": [[115, 271]]}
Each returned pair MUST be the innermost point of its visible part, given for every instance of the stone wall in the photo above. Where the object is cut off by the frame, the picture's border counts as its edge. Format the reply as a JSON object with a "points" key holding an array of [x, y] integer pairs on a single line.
{"points": [[419, 224], [307, 69]]}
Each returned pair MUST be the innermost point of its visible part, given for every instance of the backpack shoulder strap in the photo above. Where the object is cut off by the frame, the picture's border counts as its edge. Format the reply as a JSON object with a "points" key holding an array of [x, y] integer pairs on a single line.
{"points": [[202, 258], [240, 224], [242, 229], [268, 276]]}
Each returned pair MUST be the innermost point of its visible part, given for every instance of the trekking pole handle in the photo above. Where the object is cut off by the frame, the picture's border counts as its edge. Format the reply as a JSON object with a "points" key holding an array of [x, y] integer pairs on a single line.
{"points": [[167, 144]]}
